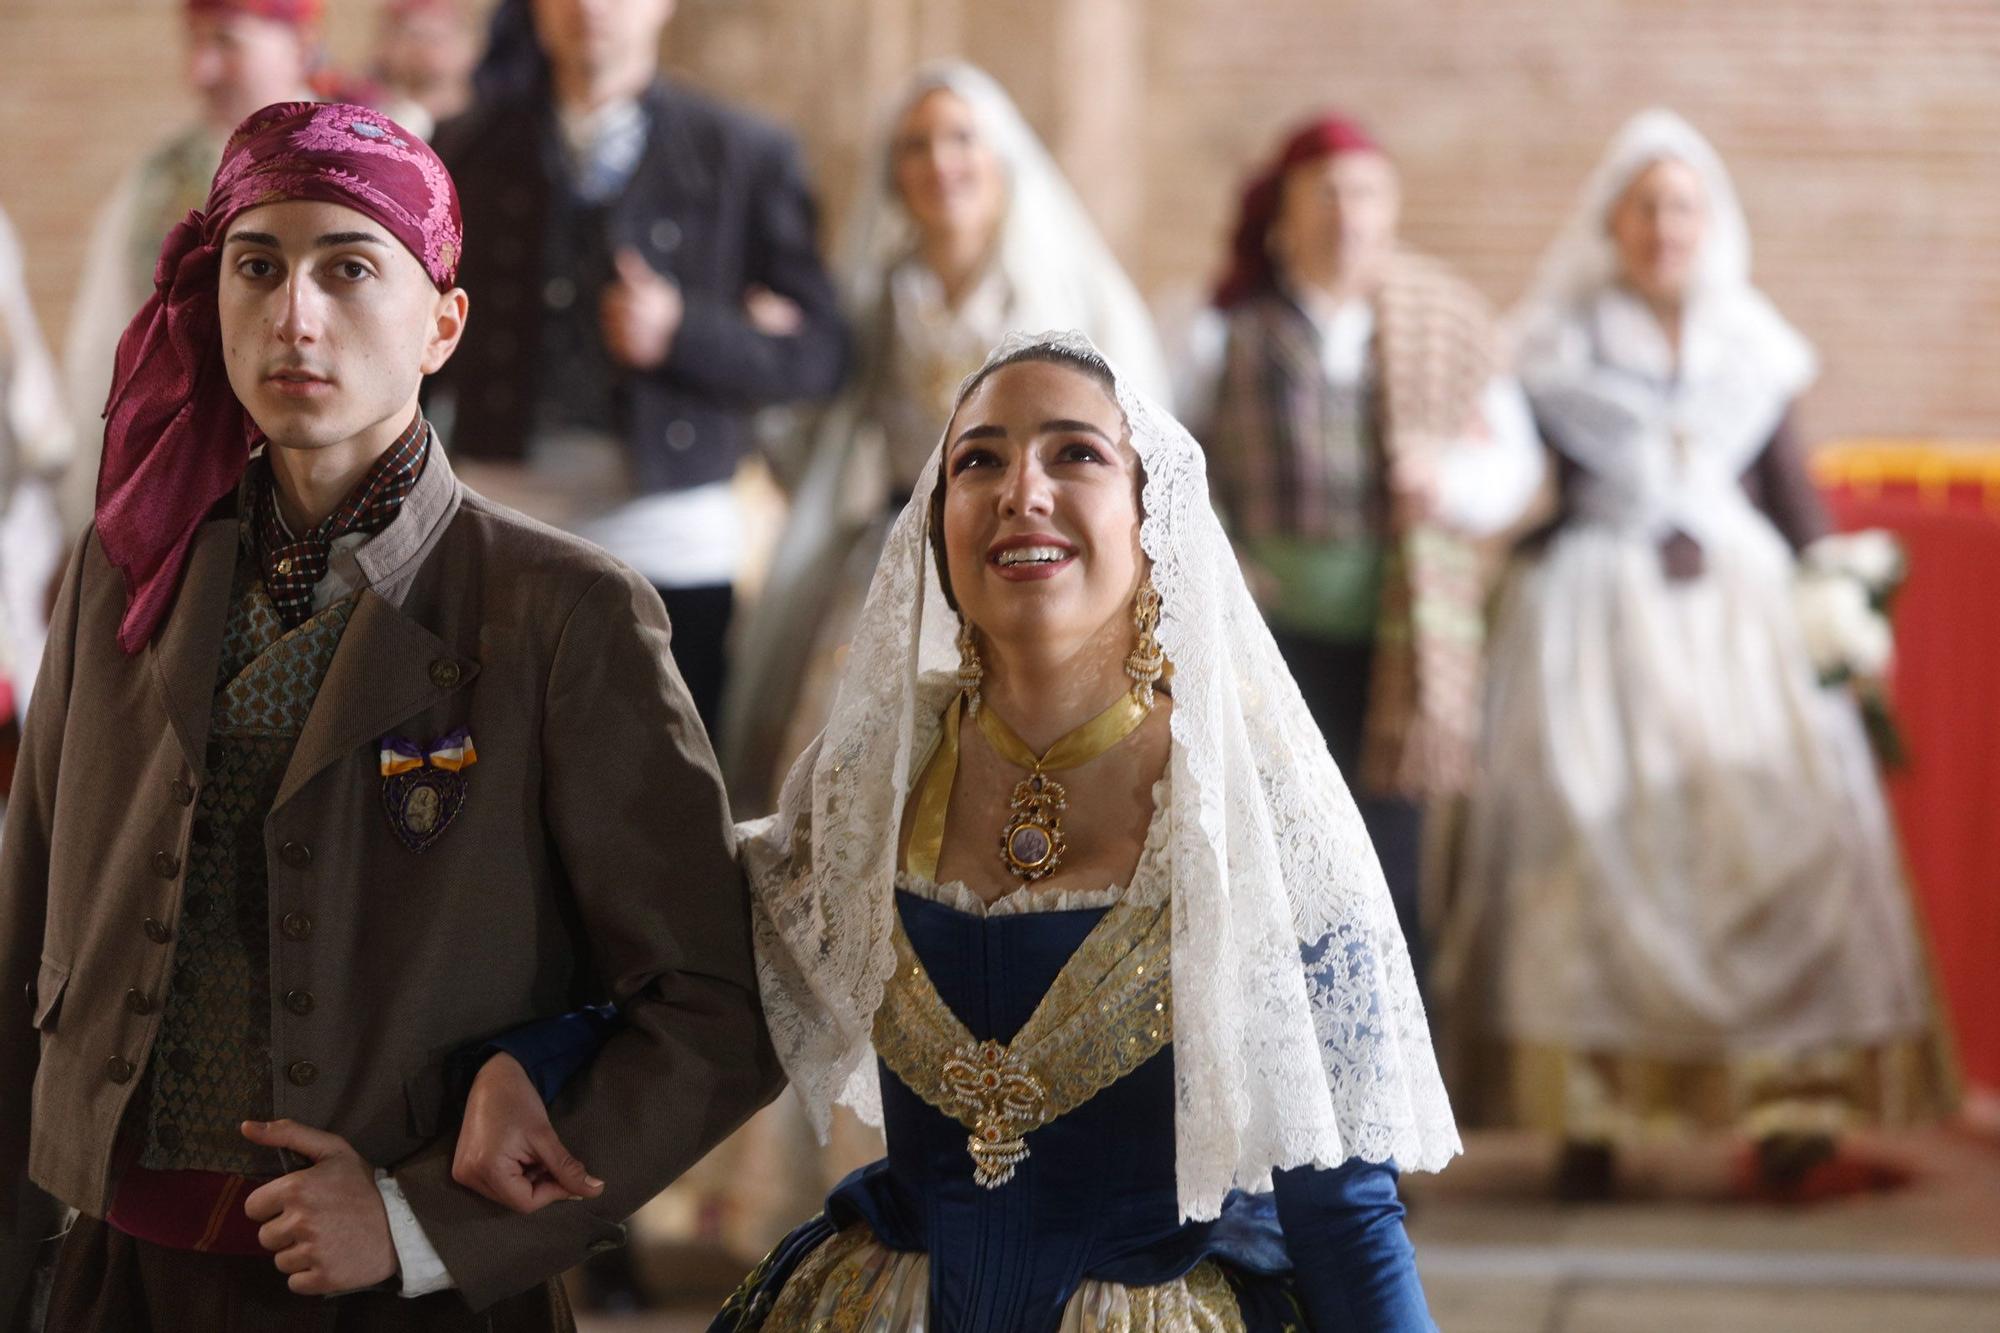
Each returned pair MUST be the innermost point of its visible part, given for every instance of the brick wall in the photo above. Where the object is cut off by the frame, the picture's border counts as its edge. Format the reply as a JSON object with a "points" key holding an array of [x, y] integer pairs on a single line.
{"points": [[1862, 133]]}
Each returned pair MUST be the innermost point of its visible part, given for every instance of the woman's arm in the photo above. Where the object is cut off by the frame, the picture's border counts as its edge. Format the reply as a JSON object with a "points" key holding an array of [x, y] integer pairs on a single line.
{"points": [[1356, 1269], [1780, 484]]}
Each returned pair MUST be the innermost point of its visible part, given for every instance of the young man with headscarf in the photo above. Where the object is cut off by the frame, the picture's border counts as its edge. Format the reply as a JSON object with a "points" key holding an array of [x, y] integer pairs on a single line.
{"points": [[1362, 432], [333, 768], [612, 387]]}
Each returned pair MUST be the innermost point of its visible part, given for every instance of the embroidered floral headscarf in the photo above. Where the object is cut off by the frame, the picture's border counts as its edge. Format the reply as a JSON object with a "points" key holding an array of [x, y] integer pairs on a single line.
{"points": [[175, 437]]}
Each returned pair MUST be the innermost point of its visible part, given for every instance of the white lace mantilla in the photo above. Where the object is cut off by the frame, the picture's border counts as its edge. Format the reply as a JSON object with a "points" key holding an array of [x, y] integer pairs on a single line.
{"points": [[1299, 1038]]}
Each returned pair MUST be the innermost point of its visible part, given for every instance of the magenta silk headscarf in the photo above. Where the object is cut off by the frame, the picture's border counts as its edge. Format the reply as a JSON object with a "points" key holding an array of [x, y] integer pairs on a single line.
{"points": [[175, 437]]}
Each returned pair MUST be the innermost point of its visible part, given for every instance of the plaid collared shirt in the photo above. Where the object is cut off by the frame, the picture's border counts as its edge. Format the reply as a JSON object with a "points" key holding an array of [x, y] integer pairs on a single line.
{"points": [[293, 566]]}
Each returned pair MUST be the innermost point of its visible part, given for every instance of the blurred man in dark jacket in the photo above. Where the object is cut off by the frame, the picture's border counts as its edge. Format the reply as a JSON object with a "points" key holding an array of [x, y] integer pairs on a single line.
{"points": [[648, 276]]}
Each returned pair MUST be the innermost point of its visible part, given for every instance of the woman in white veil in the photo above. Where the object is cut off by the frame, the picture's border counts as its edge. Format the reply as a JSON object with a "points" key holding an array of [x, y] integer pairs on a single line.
{"points": [[1681, 905], [1174, 1012], [964, 230]]}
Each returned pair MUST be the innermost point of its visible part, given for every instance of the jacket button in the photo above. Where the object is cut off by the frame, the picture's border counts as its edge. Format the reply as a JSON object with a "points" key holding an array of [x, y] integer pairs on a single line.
{"points": [[558, 293], [296, 855], [299, 1002], [156, 932], [680, 436], [445, 673], [182, 793], [665, 235], [118, 1069], [138, 1001], [296, 925], [28, 991], [302, 1073], [166, 865]]}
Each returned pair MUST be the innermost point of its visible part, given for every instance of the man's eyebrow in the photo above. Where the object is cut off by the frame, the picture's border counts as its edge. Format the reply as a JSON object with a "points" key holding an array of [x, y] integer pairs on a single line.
{"points": [[332, 238]]}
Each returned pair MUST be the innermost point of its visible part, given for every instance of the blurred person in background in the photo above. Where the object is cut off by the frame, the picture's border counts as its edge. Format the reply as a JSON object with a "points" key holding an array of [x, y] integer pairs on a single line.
{"points": [[1680, 904], [653, 277], [239, 55], [963, 230], [1363, 432], [424, 55]]}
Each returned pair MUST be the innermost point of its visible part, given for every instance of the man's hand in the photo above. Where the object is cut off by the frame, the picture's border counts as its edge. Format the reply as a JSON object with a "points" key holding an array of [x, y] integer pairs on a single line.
{"points": [[1416, 482], [771, 314], [641, 312], [326, 1224], [507, 1149]]}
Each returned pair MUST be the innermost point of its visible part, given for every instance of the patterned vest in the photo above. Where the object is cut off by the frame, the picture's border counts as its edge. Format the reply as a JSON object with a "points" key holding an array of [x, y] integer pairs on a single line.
{"points": [[211, 1067]]}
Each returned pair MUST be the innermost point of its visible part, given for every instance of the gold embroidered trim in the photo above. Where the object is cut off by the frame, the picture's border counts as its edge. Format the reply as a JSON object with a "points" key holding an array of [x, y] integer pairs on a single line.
{"points": [[1108, 1011]]}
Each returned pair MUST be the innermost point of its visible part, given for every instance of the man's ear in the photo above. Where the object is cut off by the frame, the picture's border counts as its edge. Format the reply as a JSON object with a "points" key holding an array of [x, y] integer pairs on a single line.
{"points": [[447, 327]]}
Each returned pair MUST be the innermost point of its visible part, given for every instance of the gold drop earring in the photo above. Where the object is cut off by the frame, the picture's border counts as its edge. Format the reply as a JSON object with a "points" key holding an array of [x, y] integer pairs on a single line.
{"points": [[970, 669], [1146, 663]]}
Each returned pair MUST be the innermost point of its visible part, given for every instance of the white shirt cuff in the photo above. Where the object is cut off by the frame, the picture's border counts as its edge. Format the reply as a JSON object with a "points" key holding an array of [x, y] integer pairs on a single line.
{"points": [[423, 1271]]}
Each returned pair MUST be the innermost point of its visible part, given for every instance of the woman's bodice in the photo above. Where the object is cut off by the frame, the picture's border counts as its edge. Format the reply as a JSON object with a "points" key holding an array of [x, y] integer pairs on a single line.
{"points": [[1095, 1196]]}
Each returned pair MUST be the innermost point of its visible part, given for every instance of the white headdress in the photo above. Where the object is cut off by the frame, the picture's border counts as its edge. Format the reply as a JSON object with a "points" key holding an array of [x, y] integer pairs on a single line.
{"points": [[1057, 267], [1298, 1034], [1724, 312]]}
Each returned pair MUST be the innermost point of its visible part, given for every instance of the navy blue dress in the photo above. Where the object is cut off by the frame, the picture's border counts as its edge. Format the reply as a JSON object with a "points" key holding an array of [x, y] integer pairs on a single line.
{"points": [[1095, 1198]]}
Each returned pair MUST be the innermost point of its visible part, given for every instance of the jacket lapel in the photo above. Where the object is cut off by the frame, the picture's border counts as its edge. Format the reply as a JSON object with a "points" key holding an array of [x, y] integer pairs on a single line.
{"points": [[185, 654], [387, 668]]}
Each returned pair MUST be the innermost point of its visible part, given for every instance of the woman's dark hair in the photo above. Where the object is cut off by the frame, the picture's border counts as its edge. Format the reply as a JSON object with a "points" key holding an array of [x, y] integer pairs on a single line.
{"points": [[1079, 359]]}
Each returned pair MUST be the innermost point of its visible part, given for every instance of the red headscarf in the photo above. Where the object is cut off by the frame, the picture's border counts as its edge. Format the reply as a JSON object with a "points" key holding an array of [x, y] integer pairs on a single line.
{"points": [[298, 13], [1249, 256], [175, 437]]}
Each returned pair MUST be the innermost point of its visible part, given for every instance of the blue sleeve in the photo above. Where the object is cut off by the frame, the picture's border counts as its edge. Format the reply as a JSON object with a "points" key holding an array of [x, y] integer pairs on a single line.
{"points": [[551, 1050], [1356, 1269]]}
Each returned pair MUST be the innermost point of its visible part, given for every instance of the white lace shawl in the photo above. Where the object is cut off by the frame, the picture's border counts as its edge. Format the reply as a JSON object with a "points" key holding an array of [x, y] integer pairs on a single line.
{"points": [[1610, 391], [1576, 307], [1299, 1038]]}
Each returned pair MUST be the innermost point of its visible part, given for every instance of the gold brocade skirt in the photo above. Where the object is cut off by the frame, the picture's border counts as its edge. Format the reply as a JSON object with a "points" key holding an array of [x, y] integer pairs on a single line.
{"points": [[1612, 1097], [855, 1284]]}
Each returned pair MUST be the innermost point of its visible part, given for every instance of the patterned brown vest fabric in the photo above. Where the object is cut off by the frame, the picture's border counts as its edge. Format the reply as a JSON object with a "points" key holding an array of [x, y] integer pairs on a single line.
{"points": [[211, 1067]]}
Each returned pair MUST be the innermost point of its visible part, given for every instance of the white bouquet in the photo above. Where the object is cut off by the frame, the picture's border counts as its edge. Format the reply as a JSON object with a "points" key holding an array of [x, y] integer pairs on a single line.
{"points": [[1845, 585]]}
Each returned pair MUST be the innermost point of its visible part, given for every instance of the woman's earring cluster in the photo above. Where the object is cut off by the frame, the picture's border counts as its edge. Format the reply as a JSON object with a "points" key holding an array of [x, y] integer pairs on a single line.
{"points": [[1147, 662]]}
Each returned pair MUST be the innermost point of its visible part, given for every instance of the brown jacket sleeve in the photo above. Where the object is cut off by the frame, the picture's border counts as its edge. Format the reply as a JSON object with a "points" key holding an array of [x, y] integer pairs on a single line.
{"points": [[635, 808], [28, 999], [1780, 483]]}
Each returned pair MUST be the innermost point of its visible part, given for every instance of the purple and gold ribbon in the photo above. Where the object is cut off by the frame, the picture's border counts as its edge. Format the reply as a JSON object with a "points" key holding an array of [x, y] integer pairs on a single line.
{"points": [[451, 753]]}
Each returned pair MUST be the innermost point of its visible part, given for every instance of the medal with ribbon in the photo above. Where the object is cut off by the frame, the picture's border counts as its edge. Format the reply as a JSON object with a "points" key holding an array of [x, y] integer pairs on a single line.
{"points": [[424, 787]]}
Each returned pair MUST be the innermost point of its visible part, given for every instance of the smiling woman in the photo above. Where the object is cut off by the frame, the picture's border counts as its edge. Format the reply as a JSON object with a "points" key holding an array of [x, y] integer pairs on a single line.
{"points": [[1152, 1056]]}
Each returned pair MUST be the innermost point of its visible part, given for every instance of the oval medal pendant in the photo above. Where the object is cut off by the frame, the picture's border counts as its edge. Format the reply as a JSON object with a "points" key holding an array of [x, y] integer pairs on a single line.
{"points": [[1032, 844]]}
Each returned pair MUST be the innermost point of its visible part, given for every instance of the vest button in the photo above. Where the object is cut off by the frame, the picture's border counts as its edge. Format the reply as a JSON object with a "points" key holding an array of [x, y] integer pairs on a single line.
{"points": [[445, 673], [296, 925], [166, 865], [182, 793], [118, 1069], [296, 855], [302, 1073], [156, 932], [138, 1001], [299, 1002], [680, 435]]}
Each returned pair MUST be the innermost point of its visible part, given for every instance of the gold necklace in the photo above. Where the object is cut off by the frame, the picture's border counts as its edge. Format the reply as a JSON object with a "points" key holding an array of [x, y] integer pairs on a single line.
{"points": [[1032, 843]]}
